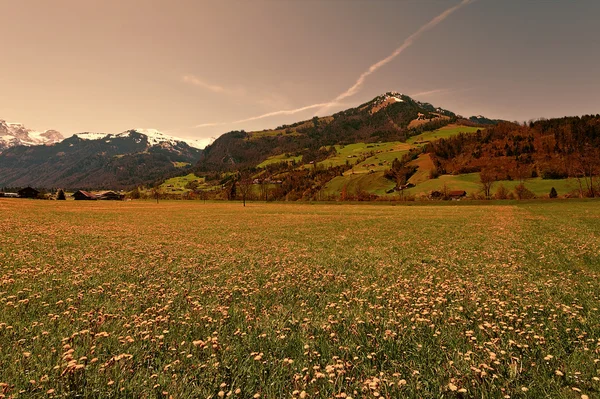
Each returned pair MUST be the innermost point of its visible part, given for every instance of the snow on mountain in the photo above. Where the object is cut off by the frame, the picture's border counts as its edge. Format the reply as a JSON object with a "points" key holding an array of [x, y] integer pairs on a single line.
{"points": [[386, 99], [155, 137], [13, 134]]}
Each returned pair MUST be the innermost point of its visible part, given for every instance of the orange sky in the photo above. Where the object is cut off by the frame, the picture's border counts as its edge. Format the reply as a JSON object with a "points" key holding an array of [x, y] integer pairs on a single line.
{"points": [[191, 68]]}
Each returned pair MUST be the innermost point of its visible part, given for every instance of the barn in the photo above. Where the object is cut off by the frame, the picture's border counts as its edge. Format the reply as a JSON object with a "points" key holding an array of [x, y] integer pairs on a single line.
{"points": [[28, 192], [111, 195], [81, 195], [457, 194]]}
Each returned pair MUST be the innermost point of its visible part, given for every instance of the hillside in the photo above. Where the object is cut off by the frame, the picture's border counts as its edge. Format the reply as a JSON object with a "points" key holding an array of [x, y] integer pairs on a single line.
{"points": [[388, 147], [563, 154], [94, 160], [385, 118]]}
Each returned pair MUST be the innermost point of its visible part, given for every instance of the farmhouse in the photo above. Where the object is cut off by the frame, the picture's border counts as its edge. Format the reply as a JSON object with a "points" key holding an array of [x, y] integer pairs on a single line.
{"points": [[28, 192], [457, 194], [111, 195], [84, 195]]}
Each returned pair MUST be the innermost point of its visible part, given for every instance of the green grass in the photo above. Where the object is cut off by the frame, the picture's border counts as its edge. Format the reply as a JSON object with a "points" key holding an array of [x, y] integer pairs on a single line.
{"points": [[470, 183], [442, 133], [189, 300], [373, 183], [383, 151], [278, 159], [176, 185]]}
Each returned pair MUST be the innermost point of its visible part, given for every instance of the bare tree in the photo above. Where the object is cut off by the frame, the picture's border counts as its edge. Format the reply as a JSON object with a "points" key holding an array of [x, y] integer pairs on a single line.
{"points": [[264, 189], [245, 186], [487, 178]]}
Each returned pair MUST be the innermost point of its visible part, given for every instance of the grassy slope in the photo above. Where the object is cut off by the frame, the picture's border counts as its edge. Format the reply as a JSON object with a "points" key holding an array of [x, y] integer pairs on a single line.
{"points": [[269, 299], [442, 133], [387, 152], [277, 159], [178, 184], [371, 182]]}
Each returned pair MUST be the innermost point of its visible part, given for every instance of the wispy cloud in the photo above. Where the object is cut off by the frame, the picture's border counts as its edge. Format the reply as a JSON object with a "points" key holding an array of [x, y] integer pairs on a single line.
{"points": [[430, 92], [406, 44], [441, 92], [196, 81], [267, 115], [354, 88], [191, 79]]}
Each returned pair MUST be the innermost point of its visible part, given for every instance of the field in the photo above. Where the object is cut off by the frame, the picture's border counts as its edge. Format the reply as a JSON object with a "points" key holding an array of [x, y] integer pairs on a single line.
{"points": [[184, 299]]}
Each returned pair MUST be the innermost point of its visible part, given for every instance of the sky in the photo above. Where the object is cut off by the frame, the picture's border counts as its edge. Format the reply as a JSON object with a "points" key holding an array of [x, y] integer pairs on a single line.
{"points": [[197, 69]]}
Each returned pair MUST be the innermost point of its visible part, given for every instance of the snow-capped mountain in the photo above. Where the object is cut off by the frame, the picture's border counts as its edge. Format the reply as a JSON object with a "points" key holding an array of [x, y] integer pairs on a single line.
{"points": [[14, 134], [154, 137], [98, 160]]}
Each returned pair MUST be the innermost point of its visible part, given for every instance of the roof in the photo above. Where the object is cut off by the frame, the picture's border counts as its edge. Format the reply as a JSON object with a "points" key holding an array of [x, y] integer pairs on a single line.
{"points": [[457, 192], [85, 193]]}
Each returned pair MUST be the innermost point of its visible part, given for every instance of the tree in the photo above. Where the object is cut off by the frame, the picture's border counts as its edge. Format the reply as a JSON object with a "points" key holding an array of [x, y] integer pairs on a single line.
{"points": [[344, 193], [135, 193], [264, 189], [245, 185], [523, 193], [553, 193], [501, 192], [61, 195], [231, 191], [487, 178]]}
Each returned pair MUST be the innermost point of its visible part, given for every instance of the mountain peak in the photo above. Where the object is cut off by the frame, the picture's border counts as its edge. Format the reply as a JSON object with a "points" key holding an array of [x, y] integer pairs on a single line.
{"points": [[13, 134]]}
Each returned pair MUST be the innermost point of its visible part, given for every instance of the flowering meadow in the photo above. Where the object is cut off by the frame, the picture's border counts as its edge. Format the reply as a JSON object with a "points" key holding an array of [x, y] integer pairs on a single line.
{"points": [[192, 300]]}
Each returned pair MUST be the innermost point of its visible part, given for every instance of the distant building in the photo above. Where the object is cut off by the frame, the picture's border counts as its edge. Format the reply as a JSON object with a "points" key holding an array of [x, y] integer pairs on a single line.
{"points": [[111, 195], [84, 195], [457, 194], [28, 192], [9, 195]]}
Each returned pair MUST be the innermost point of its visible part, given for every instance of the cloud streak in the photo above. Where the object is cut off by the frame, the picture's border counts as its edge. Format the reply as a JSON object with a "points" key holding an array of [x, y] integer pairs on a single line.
{"points": [[267, 115], [430, 92], [406, 44], [356, 86], [193, 80]]}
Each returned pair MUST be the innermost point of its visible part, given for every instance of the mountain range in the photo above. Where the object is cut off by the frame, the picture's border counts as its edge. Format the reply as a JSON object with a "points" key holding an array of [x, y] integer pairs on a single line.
{"points": [[375, 148], [94, 160]]}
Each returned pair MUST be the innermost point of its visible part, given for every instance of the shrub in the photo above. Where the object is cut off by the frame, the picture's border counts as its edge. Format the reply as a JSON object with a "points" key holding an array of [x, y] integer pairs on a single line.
{"points": [[523, 193], [553, 193], [502, 192]]}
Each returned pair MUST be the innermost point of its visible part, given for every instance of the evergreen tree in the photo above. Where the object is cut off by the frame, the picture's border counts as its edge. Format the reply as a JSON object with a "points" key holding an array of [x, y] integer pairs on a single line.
{"points": [[553, 193], [61, 195]]}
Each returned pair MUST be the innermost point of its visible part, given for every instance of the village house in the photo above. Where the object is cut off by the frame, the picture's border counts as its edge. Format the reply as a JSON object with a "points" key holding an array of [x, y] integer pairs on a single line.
{"points": [[111, 195], [81, 195], [457, 194]]}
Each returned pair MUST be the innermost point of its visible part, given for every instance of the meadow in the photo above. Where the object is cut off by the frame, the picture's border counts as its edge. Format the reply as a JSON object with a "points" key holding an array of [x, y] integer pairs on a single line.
{"points": [[183, 299]]}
